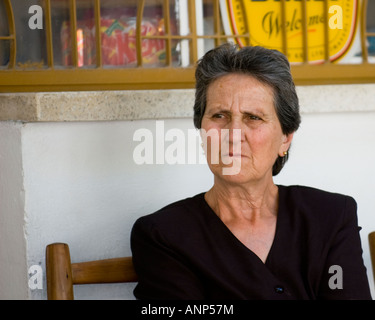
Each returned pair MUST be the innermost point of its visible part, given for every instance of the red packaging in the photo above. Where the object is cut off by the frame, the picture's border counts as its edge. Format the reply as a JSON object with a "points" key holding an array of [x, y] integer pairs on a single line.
{"points": [[118, 40]]}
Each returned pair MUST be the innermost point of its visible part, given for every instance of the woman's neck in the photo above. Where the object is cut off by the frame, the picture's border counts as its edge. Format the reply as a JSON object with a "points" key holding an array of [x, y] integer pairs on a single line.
{"points": [[250, 202]]}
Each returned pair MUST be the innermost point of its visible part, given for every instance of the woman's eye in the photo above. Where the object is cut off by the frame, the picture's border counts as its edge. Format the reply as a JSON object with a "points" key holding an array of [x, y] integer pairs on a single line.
{"points": [[218, 116], [252, 117]]}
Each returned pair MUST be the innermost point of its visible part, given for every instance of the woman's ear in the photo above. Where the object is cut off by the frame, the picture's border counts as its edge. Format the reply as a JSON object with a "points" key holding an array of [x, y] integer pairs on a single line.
{"points": [[285, 145]]}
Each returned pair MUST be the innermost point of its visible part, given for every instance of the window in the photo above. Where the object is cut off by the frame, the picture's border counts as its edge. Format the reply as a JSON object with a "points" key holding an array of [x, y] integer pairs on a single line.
{"points": [[51, 45]]}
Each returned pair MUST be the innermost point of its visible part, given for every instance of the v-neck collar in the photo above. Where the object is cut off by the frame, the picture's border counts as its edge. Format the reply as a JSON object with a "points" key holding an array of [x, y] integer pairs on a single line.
{"points": [[276, 238]]}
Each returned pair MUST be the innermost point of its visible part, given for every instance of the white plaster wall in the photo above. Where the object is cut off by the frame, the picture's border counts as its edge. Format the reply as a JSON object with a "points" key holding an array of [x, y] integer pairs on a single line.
{"points": [[83, 188], [13, 271]]}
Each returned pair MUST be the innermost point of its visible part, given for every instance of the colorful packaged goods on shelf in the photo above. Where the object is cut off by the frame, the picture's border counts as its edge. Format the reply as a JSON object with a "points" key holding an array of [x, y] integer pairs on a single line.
{"points": [[118, 42]]}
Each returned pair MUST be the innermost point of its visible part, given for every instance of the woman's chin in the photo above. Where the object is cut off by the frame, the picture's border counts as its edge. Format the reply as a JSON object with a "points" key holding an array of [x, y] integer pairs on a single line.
{"points": [[233, 175]]}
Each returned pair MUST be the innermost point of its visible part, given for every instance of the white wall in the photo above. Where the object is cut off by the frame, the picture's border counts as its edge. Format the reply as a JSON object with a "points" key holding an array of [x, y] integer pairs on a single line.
{"points": [[83, 188], [13, 279]]}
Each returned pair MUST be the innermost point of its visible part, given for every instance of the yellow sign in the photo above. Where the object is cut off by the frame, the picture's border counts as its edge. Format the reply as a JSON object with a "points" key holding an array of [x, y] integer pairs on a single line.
{"points": [[262, 19]]}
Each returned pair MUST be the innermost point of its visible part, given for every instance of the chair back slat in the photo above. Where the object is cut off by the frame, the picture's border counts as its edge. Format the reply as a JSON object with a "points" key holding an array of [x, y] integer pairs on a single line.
{"points": [[62, 274]]}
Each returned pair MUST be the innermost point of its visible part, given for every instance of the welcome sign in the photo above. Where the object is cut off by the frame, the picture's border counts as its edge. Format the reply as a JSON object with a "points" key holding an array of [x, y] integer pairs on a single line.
{"points": [[263, 20]]}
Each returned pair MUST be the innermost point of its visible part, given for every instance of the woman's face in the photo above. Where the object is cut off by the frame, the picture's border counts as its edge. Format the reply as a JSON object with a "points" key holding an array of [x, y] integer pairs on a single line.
{"points": [[238, 101]]}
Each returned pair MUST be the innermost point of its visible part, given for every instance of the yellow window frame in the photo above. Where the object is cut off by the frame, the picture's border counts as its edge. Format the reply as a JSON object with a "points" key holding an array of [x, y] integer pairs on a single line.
{"points": [[14, 79]]}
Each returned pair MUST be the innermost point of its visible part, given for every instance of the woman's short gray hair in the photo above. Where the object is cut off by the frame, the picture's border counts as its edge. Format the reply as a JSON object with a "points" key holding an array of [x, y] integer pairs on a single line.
{"points": [[268, 66]]}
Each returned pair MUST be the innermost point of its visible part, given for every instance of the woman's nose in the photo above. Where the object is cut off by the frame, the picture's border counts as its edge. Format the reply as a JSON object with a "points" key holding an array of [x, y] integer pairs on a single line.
{"points": [[236, 130], [232, 136]]}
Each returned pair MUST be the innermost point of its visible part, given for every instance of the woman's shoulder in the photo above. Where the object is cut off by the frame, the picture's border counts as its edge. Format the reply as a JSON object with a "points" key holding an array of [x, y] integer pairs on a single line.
{"points": [[181, 212], [317, 204], [314, 195]]}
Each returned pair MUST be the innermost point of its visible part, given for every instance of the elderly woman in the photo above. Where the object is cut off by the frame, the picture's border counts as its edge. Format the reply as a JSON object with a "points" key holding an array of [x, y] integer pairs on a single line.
{"points": [[247, 238]]}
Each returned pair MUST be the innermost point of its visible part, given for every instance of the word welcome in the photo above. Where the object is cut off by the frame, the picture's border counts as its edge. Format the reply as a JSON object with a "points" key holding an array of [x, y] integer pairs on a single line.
{"points": [[272, 25]]}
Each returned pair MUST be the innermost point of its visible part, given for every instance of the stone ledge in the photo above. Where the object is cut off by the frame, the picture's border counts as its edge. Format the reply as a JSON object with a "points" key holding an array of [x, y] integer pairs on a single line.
{"points": [[161, 104]]}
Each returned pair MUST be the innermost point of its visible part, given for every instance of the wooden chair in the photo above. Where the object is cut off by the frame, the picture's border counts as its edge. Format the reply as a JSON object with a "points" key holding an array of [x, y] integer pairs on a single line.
{"points": [[62, 274], [371, 241]]}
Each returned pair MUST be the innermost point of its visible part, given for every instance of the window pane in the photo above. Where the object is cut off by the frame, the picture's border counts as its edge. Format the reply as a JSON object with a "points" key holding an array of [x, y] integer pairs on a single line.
{"points": [[153, 52], [85, 33], [4, 53], [31, 44], [118, 21], [118, 27], [4, 30], [210, 16], [181, 53], [370, 16], [86, 42], [179, 17], [60, 19], [154, 24], [371, 28]]}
